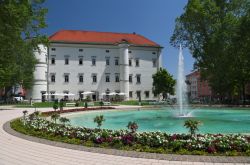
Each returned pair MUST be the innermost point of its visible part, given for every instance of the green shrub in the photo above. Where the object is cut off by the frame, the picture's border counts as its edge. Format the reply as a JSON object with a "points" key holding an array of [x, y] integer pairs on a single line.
{"points": [[99, 120]]}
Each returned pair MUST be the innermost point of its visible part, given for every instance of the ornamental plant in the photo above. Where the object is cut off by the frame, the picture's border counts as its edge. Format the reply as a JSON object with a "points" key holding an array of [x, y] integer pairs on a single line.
{"points": [[55, 106], [192, 125], [99, 120], [61, 104], [54, 117], [133, 126], [64, 120], [151, 141]]}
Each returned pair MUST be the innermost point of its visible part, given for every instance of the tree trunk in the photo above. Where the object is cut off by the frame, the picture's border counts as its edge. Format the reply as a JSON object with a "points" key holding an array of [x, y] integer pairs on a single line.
{"points": [[243, 93]]}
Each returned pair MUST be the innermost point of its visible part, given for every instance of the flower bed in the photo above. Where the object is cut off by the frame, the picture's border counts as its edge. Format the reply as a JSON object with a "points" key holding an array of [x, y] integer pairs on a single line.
{"points": [[159, 142]]}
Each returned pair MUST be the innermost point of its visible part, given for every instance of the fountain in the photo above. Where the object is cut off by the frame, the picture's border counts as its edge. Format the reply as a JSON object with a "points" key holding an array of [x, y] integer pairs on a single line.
{"points": [[181, 90]]}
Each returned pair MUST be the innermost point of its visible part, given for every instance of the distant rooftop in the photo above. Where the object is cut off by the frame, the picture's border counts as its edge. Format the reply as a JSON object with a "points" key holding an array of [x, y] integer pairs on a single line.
{"points": [[92, 37]]}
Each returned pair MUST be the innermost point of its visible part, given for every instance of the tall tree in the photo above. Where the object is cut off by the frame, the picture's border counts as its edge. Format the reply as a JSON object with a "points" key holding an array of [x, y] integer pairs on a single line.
{"points": [[20, 25], [163, 83], [208, 28]]}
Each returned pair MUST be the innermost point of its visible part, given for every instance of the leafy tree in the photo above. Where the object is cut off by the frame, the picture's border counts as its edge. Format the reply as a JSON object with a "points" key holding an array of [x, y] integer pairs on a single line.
{"points": [[21, 22], [163, 83], [192, 125], [133, 126], [208, 28], [99, 120]]}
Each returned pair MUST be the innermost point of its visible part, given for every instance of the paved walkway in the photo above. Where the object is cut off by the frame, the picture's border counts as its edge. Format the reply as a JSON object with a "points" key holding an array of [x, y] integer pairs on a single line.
{"points": [[14, 150]]}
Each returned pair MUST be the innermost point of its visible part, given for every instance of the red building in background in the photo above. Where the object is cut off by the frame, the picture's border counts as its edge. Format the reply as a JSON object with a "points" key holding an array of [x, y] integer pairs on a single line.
{"points": [[198, 89]]}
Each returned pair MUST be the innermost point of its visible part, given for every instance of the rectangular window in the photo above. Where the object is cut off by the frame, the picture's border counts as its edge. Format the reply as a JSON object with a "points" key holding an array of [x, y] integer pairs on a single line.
{"points": [[130, 78], [137, 63], [94, 78], [138, 78], [154, 63], [66, 61], [138, 94], [80, 78], [53, 78], [155, 95], [116, 61], [80, 60], [93, 61], [130, 94], [107, 78], [52, 96], [53, 49], [146, 94], [53, 60], [80, 95], [80, 50], [66, 96], [66, 78], [117, 77], [130, 62], [107, 60]]}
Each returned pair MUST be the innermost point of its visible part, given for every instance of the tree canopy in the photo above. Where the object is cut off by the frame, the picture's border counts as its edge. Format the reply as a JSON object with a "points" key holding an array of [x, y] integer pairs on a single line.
{"points": [[20, 25], [163, 83], [216, 34]]}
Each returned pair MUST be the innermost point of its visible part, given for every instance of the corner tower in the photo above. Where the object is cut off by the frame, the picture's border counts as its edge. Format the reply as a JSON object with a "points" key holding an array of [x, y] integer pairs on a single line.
{"points": [[40, 74]]}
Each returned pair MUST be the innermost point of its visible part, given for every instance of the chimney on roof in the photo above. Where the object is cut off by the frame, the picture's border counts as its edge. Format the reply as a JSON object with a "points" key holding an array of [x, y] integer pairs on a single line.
{"points": [[134, 32]]}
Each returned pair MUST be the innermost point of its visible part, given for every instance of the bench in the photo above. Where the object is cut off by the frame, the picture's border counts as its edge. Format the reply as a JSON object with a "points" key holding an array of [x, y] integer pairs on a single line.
{"points": [[70, 104], [90, 103], [106, 103]]}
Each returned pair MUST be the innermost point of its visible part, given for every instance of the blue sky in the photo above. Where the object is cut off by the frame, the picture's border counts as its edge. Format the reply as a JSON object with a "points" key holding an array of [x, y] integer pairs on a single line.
{"points": [[154, 19]]}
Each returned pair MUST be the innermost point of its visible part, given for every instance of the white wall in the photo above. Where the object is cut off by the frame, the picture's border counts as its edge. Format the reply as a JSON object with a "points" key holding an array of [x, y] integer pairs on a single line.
{"points": [[146, 69]]}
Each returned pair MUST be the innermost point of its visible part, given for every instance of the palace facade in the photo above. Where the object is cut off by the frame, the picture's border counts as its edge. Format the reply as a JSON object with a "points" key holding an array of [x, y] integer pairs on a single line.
{"points": [[98, 62]]}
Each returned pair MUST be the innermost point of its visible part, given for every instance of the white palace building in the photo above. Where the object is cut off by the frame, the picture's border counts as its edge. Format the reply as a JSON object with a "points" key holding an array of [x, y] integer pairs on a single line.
{"points": [[96, 62]]}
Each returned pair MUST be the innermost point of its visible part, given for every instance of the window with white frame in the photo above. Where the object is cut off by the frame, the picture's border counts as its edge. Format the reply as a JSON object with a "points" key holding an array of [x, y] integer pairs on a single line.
{"points": [[138, 78], [80, 60], [116, 61], [53, 78], [130, 94], [146, 94], [137, 62], [66, 60], [66, 96], [130, 78], [107, 77], [117, 77], [154, 62], [53, 60], [93, 61], [138, 94], [52, 96], [107, 60], [80, 77], [66, 78], [130, 62], [94, 78]]}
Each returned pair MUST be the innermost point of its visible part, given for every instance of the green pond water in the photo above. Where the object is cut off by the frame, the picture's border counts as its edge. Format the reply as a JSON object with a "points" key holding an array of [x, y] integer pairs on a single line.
{"points": [[213, 120]]}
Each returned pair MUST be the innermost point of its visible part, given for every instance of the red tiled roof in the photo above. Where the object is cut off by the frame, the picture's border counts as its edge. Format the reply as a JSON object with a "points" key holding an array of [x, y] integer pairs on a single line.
{"points": [[77, 36]]}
